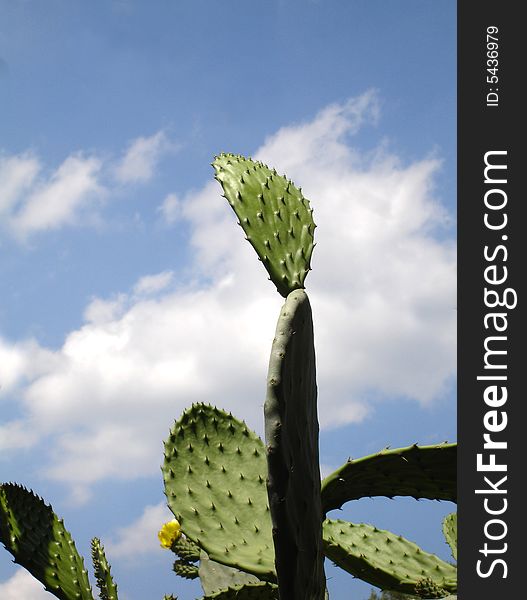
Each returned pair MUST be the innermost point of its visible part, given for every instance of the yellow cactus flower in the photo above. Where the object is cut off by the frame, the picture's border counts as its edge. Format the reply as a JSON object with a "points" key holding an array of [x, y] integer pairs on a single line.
{"points": [[169, 533]]}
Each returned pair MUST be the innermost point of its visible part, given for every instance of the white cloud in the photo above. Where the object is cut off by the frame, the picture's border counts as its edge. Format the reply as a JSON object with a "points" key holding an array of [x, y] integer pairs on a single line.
{"points": [[141, 159], [140, 537], [17, 174], [152, 284], [382, 290], [16, 435], [24, 586], [20, 362], [171, 208], [32, 204], [33, 199]]}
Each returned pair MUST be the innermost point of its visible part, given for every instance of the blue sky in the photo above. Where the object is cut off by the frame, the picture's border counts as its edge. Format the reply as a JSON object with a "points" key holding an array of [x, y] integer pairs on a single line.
{"points": [[127, 291]]}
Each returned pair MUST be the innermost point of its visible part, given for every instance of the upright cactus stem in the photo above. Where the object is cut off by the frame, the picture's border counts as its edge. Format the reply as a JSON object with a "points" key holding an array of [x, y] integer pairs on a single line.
{"points": [[291, 435], [278, 222]]}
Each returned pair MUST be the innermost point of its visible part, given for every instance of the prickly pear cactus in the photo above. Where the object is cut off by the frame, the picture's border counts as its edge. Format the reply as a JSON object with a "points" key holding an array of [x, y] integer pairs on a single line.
{"points": [[275, 216], [418, 471], [185, 569], [103, 576], [37, 539], [215, 577], [291, 434], [387, 560], [214, 473], [247, 591], [450, 532]]}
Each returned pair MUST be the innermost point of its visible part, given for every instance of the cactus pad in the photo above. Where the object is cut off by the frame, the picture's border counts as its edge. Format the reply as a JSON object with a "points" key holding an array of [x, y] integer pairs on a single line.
{"points": [[275, 216], [105, 582], [450, 532], [215, 577], [291, 433], [214, 472], [386, 560], [418, 471], [186, 549], [248, 591], [185, 569], [37, 539]]}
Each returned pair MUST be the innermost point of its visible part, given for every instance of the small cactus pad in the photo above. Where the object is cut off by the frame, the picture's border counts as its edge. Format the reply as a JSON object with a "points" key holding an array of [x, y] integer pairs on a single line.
{"points": [[186, 549], [386, 560], [101, 568], [418, 471], [215, 577], [275, 216], [450, 532], [247, 591], [37, 539], [291, 433], [214, 472], [185, 569]]}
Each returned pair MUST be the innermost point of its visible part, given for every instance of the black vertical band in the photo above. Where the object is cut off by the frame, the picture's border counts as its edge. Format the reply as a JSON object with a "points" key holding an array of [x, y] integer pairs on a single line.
{"points": [[492, 359]]}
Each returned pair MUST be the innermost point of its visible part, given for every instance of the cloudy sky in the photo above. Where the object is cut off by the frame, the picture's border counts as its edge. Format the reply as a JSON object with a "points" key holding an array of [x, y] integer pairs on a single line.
{"points": [[128, 292]]}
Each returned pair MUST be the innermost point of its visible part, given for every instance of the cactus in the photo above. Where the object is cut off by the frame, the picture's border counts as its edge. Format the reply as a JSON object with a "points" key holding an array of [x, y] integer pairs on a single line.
{"points": [[215, 577], [189, 554], [386, 560], [103, 577], [37, 539], [450, 532], [214, 473], [278, 222], [255, 541], [186, 549], [351, 549], [291, 433], [185, 569], [262, 590], [418, 471], [275, 216]]}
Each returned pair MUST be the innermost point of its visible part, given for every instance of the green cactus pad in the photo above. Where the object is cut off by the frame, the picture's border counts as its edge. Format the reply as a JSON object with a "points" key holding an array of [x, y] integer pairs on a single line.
{"points": [[215, 577], [418, 471], [186, 549], [291, 434], [185, 569], [275, 216], [426, 588], [450, 532], [37, 539], [248, 591], [103, 576], [386, 560], [214, 472]]}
